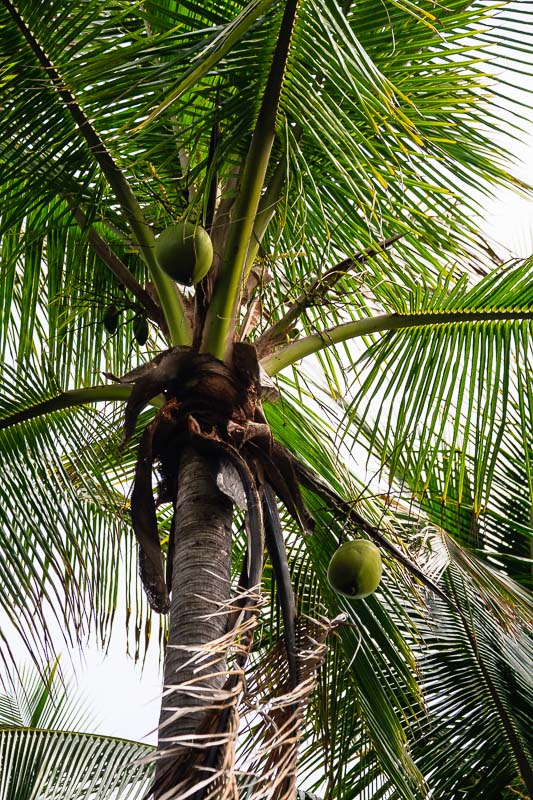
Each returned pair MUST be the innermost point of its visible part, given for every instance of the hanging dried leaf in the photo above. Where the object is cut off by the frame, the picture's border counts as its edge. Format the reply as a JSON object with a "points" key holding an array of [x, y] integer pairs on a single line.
{"points": [[144, 522]]}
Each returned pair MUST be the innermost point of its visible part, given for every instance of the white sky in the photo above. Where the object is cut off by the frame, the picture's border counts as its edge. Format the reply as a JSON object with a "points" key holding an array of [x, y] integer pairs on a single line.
{"points": [[124, 697], [509, 217]]}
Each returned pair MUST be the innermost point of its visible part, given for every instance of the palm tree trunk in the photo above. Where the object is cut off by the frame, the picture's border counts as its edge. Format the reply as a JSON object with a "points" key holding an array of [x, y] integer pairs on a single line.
{"points": [[200, 585]]}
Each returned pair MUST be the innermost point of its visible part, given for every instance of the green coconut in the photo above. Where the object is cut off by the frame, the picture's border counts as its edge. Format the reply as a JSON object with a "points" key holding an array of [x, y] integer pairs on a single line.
{"points": [[185, 252], [355, 569]]}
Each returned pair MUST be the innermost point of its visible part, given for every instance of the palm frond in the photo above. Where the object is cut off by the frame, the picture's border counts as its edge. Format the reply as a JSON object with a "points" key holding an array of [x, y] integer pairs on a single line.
{"points": [[55, 292], [44, 754], [213, 52], [67, 543], [34, 37], [375, 643], [477, 687], [39, 698], [388, 139], [72, 766], [362, 765], [382, 96], [454, 381], [485, 504]]}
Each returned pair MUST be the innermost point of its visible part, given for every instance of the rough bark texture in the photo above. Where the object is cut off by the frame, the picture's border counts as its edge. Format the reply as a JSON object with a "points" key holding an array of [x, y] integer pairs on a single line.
{"points": [[200, 586]]}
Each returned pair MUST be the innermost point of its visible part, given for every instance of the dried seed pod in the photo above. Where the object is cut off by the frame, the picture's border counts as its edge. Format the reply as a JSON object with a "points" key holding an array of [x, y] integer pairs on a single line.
{"points": [[110, 320], [140, 329], [355, 569]]}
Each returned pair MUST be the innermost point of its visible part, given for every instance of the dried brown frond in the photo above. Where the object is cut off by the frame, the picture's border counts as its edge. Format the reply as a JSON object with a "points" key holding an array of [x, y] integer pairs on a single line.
{"points": [[274, 713], [201, 765]]}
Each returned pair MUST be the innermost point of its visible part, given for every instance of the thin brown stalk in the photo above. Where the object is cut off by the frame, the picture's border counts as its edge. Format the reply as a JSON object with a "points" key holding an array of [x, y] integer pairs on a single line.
{"points": [[276, 714], [118, 268], [316, 292]]}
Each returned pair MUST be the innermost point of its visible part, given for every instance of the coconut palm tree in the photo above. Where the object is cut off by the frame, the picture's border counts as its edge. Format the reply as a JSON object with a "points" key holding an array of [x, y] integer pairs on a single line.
{"points": [[355, 363]]}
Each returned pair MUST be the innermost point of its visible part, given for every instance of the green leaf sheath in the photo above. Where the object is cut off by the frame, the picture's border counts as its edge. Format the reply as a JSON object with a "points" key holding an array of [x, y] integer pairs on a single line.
{"points": [[220, 321]]}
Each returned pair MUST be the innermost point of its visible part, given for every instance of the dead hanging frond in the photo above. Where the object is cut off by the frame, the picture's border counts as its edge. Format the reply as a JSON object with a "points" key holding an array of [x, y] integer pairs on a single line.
{"points": [[204, 765], [201, 765], [274, 713]]}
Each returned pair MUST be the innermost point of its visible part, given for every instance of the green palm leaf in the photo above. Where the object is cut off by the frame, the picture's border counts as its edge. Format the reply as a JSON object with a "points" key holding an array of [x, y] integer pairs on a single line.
{"points": [[55, 291], [451, 368], [477, 684], [375, 644], [70, 766], [442, 642], [60, 762], [67, 544]]}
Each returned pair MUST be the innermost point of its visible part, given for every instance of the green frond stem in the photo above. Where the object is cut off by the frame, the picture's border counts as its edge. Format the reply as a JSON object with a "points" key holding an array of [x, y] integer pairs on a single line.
{"points": [[74, 397], [220, 320], [265, 212], [171, 302], [234, 34], [317, 290], [119, 269], [267, 207], [295, 351]]}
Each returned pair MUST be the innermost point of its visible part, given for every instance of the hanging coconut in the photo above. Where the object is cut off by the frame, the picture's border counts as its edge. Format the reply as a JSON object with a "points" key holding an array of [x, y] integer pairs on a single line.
{"points": [[355, 569], [110, 319], [140, 329], [185, 252]]}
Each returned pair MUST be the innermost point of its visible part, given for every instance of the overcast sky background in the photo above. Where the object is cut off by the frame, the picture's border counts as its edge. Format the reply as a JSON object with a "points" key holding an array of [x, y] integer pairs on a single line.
{"points": [[124, 697]]}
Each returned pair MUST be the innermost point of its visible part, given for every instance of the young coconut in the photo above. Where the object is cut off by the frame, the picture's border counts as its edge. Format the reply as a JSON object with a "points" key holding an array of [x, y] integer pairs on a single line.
{"points": [[355, 569], [185, 252]]}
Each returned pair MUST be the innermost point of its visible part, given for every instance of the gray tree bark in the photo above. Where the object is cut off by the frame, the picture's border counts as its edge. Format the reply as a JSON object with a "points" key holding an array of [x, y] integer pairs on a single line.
{"points": [[200, 587]]}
